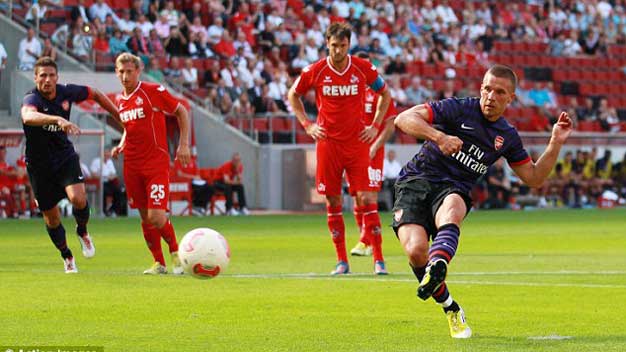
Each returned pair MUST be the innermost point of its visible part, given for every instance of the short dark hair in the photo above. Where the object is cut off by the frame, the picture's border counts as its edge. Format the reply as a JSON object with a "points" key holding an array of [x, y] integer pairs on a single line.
{"points": [[363, 55], [504, 71], [339, 30], [46, 61]]}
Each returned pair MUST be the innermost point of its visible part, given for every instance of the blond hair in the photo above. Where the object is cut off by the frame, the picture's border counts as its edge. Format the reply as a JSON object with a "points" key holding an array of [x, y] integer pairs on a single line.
{"points": [[124, 58]]}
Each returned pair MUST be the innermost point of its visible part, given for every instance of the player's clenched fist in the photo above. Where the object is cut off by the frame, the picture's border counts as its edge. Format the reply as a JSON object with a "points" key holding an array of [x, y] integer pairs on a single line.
{"points": [[562, 128], [449, 144], [68, 127]]}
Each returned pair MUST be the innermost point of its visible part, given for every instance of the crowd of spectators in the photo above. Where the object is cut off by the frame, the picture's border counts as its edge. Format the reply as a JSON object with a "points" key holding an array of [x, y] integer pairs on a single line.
{"points": [[580, 179], [240, 57], [257, 47]]}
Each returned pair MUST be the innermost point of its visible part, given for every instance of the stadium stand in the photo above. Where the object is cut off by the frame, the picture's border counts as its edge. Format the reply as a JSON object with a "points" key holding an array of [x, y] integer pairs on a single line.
{"points": [[566, 53], [578, 46]]}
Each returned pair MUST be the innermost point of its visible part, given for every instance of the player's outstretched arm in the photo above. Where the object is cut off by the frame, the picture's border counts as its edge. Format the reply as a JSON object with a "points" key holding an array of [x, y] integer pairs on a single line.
{"points": [[106, 104], [535, 173], [183, 153], [311, 128], [414, 122], [31, 117]]}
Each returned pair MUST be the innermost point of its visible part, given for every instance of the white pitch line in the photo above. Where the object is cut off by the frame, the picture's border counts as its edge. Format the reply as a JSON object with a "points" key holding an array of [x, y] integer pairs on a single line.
{"points": [[558, 272], [369, 277], [551, 337], [468, 273], [395, 274]]}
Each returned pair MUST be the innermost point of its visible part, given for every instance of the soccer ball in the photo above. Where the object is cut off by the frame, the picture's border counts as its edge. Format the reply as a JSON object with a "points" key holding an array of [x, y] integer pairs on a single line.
{"points": [[204, 253]]}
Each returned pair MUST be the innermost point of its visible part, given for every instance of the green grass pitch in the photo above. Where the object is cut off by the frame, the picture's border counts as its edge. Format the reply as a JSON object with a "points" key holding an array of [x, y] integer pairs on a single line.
{"points": [[528, 281]]}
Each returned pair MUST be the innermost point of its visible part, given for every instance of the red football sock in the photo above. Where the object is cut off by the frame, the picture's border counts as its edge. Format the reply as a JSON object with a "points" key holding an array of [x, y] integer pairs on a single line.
{"points": [[23, 205], [358, 217], [337, 231], [371, 222], [153, 240], [168, 234]]}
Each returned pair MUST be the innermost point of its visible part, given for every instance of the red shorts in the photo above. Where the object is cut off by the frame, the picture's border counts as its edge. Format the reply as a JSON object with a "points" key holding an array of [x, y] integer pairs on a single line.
{"points": [[333, 159], [374, 172], [147, 189]]}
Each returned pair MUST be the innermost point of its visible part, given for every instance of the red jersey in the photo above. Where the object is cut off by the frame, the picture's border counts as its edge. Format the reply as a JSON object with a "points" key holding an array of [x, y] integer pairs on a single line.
{"points": [[21, 165], [5, 180], [371, 101], [228, 169], [340, 96], [143, 114]]}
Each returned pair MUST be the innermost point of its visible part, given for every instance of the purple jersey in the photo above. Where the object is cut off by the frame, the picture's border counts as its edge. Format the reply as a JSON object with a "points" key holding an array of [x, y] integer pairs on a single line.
{"points": [[484, 142], [48, 146]]}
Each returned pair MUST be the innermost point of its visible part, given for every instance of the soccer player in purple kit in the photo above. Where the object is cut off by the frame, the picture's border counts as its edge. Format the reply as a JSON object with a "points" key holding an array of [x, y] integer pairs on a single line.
{"points": [[51, 161], [463, 138]]}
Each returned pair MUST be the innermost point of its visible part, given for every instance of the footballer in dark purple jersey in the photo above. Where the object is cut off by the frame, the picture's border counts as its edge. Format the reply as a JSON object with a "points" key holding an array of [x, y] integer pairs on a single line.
{"points": [[52, 164], [463, 138]]}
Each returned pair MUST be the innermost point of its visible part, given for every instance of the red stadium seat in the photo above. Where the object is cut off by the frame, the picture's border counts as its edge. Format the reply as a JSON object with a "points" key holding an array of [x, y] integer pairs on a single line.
{"points": [[588, 75], [547, 61], [104, 62], [536, 48], [501, 46], [559, 74], [531, 60], [589, 126], [518, 47], [119, 4], [429, 70], [56, 14], [48, 28], [559, 61], [303, 138], [260, 124], [604, 76], [198, 64], [208, 63], [201, 92]]}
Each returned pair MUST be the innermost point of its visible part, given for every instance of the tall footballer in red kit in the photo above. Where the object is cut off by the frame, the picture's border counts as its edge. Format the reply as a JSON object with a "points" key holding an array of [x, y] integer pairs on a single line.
{"points": [[342, 138], [143, 108]]}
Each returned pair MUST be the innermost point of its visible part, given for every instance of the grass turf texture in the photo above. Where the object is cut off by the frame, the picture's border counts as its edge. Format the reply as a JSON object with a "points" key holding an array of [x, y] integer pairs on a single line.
{"points": [[518, 275]]}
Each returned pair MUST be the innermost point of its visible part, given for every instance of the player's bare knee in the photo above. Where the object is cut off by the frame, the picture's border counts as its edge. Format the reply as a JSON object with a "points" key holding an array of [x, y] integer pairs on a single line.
{"points": [[157, 220], [368, 198], [52, 220], [333, 201], [417, 252], [450, 213], [79, 201]]}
